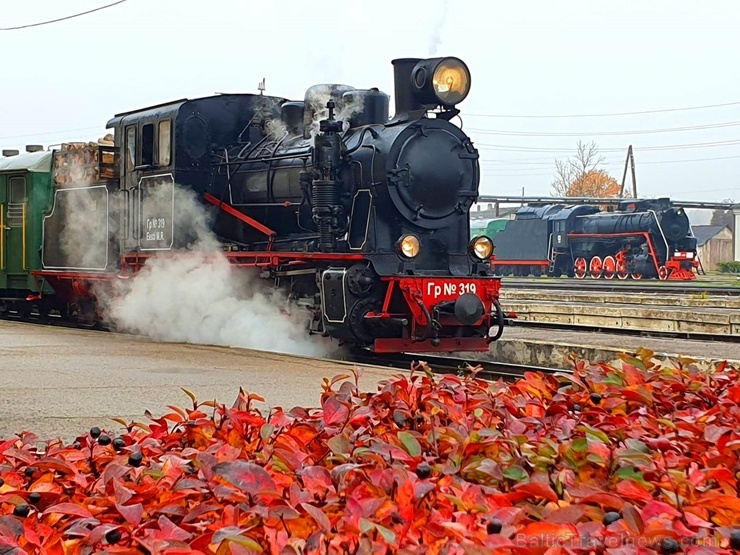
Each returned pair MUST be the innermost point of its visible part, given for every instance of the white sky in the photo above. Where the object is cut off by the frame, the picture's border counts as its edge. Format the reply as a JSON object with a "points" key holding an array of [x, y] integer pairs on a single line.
{"points": [[65, 80]]}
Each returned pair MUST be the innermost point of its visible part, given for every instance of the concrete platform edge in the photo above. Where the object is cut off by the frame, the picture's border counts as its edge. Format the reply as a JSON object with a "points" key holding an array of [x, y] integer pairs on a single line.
{"points": [[558, 355]]}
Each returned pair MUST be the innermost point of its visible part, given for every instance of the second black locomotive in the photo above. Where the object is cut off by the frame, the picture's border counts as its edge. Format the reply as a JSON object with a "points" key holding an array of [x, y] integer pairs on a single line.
{"points": [[648, 238]]}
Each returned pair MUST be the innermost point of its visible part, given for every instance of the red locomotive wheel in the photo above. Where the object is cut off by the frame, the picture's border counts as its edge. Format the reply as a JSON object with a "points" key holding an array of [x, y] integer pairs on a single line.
{"points": [[663, 273], [580, 268], [610, 267], [622, 272], [636, 275], [596, 267]]}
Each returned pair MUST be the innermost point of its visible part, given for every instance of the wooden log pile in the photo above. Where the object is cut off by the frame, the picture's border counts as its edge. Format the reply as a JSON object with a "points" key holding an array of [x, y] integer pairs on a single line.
{"points": [[83, 163]]}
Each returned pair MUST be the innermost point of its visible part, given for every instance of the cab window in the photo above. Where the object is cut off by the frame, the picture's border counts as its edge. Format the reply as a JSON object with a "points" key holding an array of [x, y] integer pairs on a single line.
{"points": [[165, 142], [147, 144], [130, 148]]}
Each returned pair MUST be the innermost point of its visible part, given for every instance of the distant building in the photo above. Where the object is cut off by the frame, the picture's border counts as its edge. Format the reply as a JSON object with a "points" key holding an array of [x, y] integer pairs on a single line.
{"points": [[714, 244]]}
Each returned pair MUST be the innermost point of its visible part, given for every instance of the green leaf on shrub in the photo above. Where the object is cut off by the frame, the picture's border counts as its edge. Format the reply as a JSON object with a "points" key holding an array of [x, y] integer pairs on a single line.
{"points": [[410, 443], [516, 473]]}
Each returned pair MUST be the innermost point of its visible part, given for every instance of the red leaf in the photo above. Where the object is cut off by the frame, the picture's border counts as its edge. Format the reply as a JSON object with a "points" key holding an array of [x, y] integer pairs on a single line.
{"points": [[537, 489], [334, 411], [132, 513], [632, 489], [605, 500], [247, 476], [316, 479], [318, 515], [71, 509]]}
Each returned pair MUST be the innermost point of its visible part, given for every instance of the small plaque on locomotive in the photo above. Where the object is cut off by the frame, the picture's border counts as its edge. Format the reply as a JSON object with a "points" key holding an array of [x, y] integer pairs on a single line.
{"points": [[157, 209]]}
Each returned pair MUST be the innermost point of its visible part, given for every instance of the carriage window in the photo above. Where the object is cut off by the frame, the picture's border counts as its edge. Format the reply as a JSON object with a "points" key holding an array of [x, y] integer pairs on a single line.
{"points": [[164, 143], [147, 144], [130, 148], [17, 190]]}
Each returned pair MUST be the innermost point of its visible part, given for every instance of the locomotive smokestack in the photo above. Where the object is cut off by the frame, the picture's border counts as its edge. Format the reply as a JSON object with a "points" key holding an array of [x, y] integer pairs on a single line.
{"points": [[404, 96]]}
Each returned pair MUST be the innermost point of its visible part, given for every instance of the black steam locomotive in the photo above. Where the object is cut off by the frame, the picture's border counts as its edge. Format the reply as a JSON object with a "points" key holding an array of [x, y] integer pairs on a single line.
{"points": [[640, 239], [361, 217]]}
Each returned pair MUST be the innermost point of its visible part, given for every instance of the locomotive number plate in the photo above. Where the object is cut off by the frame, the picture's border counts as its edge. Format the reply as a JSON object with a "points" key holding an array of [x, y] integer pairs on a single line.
{"points": [[449, 289]]}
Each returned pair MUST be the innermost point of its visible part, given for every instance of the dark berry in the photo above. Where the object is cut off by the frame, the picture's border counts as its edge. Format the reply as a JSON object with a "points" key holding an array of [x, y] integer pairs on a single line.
{"points": [[22, 510], [113, 536], [95, 432], [30, 471], [494, 526], [735, 539], [400, 419], [576, 408], [669, 545], [77, 445], [134, 459], [595, 398], [119, 443], [35, 497], [104, 440], [2, 482], [423, 471], [611, 517]]}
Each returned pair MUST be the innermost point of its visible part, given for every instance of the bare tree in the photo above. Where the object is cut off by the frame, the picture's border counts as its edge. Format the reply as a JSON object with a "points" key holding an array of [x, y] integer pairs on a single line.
{"points": [[567, 172]]}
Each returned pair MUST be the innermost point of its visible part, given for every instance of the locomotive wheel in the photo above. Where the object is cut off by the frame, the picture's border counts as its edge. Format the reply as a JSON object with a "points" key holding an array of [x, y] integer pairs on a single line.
{"points": [[622, 272], [610, 267], [662, 273], [596, 267], [635, 275], [580, 268]]}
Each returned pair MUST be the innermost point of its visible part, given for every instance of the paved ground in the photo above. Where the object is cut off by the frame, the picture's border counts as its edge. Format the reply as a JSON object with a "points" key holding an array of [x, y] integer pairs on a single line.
{"points": [[59, 382], [685, 347]]}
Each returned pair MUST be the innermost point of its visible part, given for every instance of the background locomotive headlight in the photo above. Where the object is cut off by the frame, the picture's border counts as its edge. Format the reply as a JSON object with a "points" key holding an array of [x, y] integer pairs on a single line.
{"points": [[481, 247], [451, 81], [409, 246]]}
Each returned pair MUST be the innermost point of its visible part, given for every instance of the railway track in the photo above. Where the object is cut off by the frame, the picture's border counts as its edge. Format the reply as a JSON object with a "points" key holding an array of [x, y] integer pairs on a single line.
{"points": [[491, 370], [566, 284]]}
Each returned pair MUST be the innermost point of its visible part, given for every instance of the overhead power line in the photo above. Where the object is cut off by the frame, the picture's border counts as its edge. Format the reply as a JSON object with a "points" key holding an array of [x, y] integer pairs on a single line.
{"points": [[612, 114], [607, 162], [63, 18], [603, 133], [512, 148]]}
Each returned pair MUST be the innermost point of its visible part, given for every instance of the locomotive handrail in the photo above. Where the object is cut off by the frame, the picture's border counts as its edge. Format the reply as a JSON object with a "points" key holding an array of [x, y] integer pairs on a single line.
{"points": [[660, 227], [23, 234]]}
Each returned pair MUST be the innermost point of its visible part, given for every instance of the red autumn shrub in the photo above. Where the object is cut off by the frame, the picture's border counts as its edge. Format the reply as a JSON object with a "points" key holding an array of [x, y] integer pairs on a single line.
{"points": [[640, 459]]}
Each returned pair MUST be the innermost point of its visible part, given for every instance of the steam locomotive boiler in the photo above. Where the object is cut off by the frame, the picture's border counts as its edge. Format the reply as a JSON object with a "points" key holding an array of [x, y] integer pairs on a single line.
{"points": [[641, 238], [379, 206], [361, 217]]}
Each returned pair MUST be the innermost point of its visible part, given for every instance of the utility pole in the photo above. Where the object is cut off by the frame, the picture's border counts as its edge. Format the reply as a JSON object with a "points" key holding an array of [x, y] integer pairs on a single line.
{"points": [[630, 161], [261, 86]]}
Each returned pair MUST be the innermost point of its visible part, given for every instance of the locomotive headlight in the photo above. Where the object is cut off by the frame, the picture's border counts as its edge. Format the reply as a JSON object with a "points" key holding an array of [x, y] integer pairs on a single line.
{"points": [[444, 81], [481, 247], [409, 246]]}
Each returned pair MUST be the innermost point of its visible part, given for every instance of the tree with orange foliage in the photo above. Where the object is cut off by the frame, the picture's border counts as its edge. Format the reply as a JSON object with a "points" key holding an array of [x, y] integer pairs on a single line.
{"points": [[581, 176], [595, 183]]}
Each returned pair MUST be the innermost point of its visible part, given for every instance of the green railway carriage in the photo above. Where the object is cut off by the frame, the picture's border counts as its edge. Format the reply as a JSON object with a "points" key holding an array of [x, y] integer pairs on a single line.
{"points": [[25, 195]]}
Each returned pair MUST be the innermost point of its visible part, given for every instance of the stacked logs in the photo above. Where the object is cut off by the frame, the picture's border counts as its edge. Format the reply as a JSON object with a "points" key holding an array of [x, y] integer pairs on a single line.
{"points": [[82, 163]]}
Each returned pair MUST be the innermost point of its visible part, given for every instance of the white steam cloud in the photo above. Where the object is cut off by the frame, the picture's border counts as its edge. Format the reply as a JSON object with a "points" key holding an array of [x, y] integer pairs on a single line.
{"points": [[436, 39], [316, 99], [199, 297]]}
